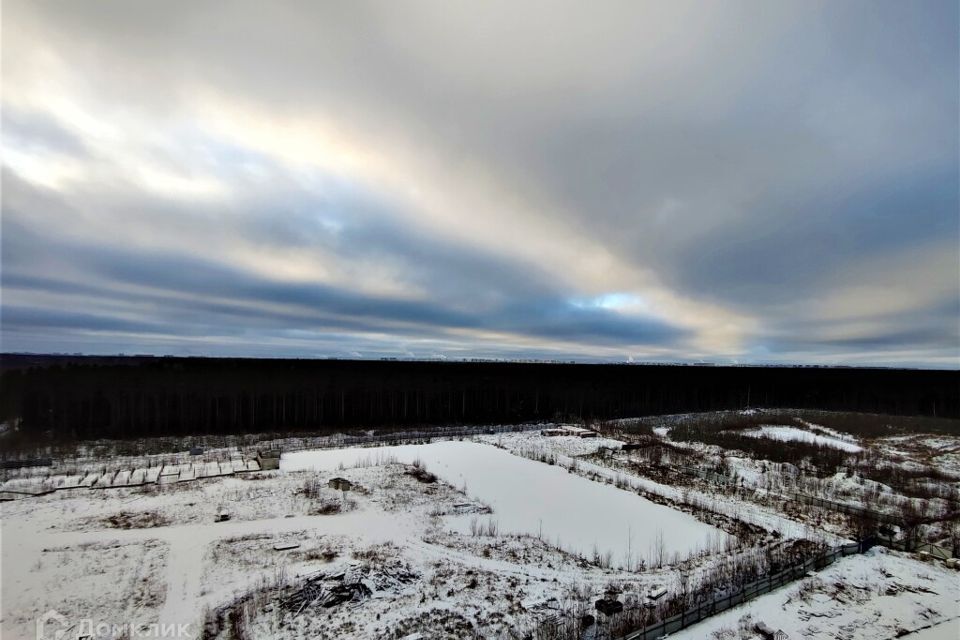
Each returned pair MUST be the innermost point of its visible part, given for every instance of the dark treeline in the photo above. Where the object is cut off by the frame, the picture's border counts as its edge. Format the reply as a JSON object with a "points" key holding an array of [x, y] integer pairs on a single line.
{"points": [[79, 398]]}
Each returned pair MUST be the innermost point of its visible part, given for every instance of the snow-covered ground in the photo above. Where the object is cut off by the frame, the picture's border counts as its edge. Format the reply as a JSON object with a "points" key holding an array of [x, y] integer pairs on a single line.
{"points": [[947, 630], [34, 579], [155, 554], [533, 498], [877, 595], [942, 451], [769, 519], [793, 433]]}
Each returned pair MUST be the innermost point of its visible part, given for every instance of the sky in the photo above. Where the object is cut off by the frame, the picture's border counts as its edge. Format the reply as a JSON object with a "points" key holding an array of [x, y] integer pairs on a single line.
{"points": [[739, 182]]}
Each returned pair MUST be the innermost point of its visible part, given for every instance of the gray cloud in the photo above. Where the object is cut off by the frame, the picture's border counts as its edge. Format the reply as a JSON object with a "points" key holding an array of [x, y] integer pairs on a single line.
{"points": [[471, 175], [189, 295], [36, 130]]}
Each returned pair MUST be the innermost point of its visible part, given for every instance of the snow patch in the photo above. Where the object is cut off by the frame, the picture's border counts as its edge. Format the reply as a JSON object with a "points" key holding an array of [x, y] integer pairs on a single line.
{"points": [[786, 434]]}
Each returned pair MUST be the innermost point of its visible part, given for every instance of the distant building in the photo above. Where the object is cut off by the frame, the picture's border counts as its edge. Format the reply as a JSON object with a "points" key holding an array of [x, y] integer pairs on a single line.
{"points": [[269, 459], [579, 432], [340, 484]]}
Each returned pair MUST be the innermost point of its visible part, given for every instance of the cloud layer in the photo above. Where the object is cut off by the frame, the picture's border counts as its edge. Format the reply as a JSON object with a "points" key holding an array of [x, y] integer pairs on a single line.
{"points": [[745, 182]]}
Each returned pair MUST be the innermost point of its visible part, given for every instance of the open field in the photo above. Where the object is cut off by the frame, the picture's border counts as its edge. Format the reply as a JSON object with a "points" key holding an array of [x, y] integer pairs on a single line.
{"points": [[535, 499], [501, 535]]}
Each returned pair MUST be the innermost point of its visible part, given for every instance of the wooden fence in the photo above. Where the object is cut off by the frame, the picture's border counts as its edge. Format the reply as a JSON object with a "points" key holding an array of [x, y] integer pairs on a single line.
{"points": [[773, 581], [184, 467], [849, 509], [748, 592]]}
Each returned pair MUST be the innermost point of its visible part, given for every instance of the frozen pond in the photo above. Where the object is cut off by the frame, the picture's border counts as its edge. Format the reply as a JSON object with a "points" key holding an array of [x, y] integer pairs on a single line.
{"points": [[535, 498]]}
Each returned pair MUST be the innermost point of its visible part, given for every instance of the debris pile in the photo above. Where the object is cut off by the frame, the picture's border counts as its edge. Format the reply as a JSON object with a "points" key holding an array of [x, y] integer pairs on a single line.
{"points": [[609, 606], [352, 585], [422, 475]]}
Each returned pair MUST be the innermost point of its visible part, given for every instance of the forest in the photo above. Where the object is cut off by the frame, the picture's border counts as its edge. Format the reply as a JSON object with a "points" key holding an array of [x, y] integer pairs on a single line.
{"points": [[73, 397]]}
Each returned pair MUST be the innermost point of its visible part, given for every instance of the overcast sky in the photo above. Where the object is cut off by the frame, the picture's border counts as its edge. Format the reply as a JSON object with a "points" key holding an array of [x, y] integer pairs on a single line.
{"points": [[754, 182]]}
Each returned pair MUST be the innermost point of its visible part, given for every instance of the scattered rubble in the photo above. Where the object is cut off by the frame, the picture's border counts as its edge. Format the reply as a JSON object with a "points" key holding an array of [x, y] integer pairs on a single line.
{"points": [[354, 584]]}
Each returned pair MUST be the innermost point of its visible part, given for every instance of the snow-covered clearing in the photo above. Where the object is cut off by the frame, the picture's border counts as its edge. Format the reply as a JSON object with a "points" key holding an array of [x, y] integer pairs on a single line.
{"points": [[533, 498], [877, 595], [946, 630], [793, 433], [525, 443], [92, 555], [566, 514], [833, 433], [72, 551], [941, 451]]}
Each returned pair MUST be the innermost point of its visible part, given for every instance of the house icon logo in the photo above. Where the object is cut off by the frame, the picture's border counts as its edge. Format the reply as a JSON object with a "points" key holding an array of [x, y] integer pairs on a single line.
{"points": [[52, 626], [780, 635]]}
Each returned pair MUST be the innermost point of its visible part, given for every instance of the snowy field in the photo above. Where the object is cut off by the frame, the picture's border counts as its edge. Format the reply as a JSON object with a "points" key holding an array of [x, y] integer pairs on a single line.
{"points": [[880, 594], [533, 498], [793, 433], [155, 554], [490, 537]]}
